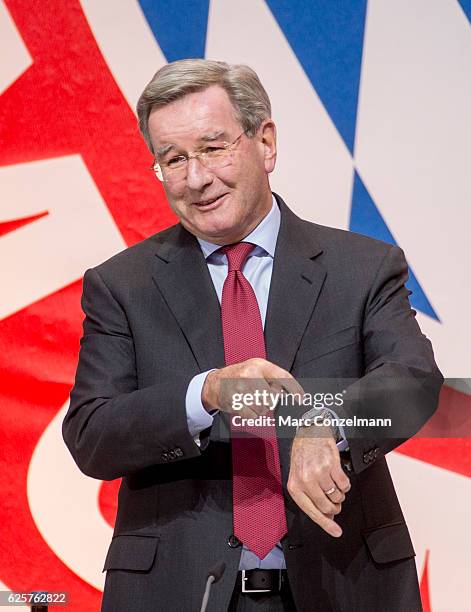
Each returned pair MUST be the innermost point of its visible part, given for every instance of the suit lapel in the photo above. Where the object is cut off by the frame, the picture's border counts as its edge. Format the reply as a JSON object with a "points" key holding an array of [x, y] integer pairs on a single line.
{"points": [[296, 282], [182, 277]]}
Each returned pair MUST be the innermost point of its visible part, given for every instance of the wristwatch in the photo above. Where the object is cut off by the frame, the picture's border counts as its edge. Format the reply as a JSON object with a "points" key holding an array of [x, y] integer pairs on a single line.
{"points": [[330, 419]]}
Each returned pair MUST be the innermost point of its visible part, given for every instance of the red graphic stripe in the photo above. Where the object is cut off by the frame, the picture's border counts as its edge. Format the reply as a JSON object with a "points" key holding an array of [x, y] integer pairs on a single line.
{"points": [[38, 351], [79, 109], [66, 103], [108, 500], [424, 586], [445, 441], [9, 226]]}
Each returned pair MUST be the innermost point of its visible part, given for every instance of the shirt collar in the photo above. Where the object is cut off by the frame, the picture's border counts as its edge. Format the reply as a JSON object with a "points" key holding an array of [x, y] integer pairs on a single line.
{"points": [[264, 236]]}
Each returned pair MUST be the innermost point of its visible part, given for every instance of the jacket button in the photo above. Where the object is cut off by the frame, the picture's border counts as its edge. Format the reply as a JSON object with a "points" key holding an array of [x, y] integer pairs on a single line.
{"points": [[178, 452], [171, 454], [376, 452], [366, 458], [164, 456], [233, 541]]}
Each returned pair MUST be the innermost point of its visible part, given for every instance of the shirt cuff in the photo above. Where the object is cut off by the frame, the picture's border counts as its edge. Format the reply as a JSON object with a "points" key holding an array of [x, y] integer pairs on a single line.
{"points": [[198, 418]]}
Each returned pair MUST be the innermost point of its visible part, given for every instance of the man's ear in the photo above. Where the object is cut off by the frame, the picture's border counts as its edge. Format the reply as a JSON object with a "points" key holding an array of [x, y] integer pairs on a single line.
{"points": [[268, 139]]}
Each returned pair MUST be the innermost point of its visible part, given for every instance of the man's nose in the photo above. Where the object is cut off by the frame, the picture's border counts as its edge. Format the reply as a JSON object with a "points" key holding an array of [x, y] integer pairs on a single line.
{"points": [[197, 176]]}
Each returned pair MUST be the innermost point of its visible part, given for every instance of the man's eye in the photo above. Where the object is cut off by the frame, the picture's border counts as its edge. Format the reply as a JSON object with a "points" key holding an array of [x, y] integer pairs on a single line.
{"points": [[213, 150], [176, 161]]}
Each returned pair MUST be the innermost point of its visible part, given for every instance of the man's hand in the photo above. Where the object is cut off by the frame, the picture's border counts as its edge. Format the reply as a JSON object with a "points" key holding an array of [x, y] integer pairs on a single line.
{"points": [[246, 377], [315, 469]]}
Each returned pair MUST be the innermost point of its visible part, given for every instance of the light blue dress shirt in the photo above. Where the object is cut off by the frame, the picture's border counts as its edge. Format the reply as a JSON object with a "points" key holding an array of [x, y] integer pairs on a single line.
{"points": [[257, 270]]}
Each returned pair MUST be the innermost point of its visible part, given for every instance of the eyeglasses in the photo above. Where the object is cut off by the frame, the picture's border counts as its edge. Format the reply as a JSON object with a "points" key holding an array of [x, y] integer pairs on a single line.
{"points": [[212, 158]]}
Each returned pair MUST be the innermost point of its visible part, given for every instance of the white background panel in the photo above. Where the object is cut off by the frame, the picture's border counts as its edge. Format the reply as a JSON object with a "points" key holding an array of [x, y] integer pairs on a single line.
{"points": [[436, 505], [46, 255], [72, 499], [413, 152], [126, 42], [4, 587], [314, 168]]}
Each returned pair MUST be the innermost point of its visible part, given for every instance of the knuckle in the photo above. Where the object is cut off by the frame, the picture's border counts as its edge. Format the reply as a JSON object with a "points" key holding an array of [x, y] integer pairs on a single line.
{"points": [[257, 362], [291, 486], [322, 469], [283, 375], [320, 466]]}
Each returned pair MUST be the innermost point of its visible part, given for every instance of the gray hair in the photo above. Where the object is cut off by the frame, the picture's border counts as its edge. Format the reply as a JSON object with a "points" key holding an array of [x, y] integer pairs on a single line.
{"points": [[177, 79]]}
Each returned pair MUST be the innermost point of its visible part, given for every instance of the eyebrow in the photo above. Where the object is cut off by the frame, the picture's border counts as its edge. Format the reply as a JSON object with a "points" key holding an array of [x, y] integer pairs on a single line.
{"points": [[205, 138], [164, 150], [212, 137]]}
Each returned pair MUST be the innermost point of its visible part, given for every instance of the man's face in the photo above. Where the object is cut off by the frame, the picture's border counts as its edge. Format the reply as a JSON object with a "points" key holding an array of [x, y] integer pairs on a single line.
{"points": [[218, 205]]}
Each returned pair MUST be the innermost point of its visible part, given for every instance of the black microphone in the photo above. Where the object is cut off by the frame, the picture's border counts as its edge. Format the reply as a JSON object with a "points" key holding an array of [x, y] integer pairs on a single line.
{"points": [[214, 574]]}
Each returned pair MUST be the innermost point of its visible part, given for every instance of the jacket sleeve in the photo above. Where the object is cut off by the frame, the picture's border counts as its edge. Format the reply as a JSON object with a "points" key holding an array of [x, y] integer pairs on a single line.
{"points": [[112, 427], [402, 381]]}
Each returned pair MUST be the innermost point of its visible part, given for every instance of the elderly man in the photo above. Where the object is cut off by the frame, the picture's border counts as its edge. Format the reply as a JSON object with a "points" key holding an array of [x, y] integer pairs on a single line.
{"points": [[243, 297]]}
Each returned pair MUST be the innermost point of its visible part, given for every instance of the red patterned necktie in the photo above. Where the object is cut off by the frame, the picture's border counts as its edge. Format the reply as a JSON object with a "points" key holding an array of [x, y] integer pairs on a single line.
{"points": [[259, 510]]}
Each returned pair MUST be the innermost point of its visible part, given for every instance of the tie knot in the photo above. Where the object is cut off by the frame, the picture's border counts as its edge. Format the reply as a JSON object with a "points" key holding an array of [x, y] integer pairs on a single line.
{"points": [[237, 254]]}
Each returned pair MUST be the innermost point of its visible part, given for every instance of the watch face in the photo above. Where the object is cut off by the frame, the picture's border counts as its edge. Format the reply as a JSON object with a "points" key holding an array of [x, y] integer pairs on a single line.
{"points": [[328, 416]]}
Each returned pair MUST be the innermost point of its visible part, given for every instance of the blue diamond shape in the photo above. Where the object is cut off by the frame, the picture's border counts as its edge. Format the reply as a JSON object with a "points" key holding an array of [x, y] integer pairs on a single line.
{"points": [[366, 219], [179, 27], [327, 38]]}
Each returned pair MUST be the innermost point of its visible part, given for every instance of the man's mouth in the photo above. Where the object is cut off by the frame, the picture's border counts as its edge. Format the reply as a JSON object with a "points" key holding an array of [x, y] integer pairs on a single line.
{"points": [[210, 203]]}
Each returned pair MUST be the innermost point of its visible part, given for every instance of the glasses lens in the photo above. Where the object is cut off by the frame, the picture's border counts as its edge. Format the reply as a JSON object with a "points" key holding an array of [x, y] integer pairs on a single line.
{"points": [[176, 169], [216, 158]]}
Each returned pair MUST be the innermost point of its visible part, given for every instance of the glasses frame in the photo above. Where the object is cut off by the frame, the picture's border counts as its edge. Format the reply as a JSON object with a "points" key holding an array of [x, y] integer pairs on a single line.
{"points": [[156, 167]]}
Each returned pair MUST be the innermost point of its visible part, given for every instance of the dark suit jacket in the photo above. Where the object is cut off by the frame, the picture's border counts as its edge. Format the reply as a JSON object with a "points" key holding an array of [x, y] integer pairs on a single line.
{"points": [[337, 308]]}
